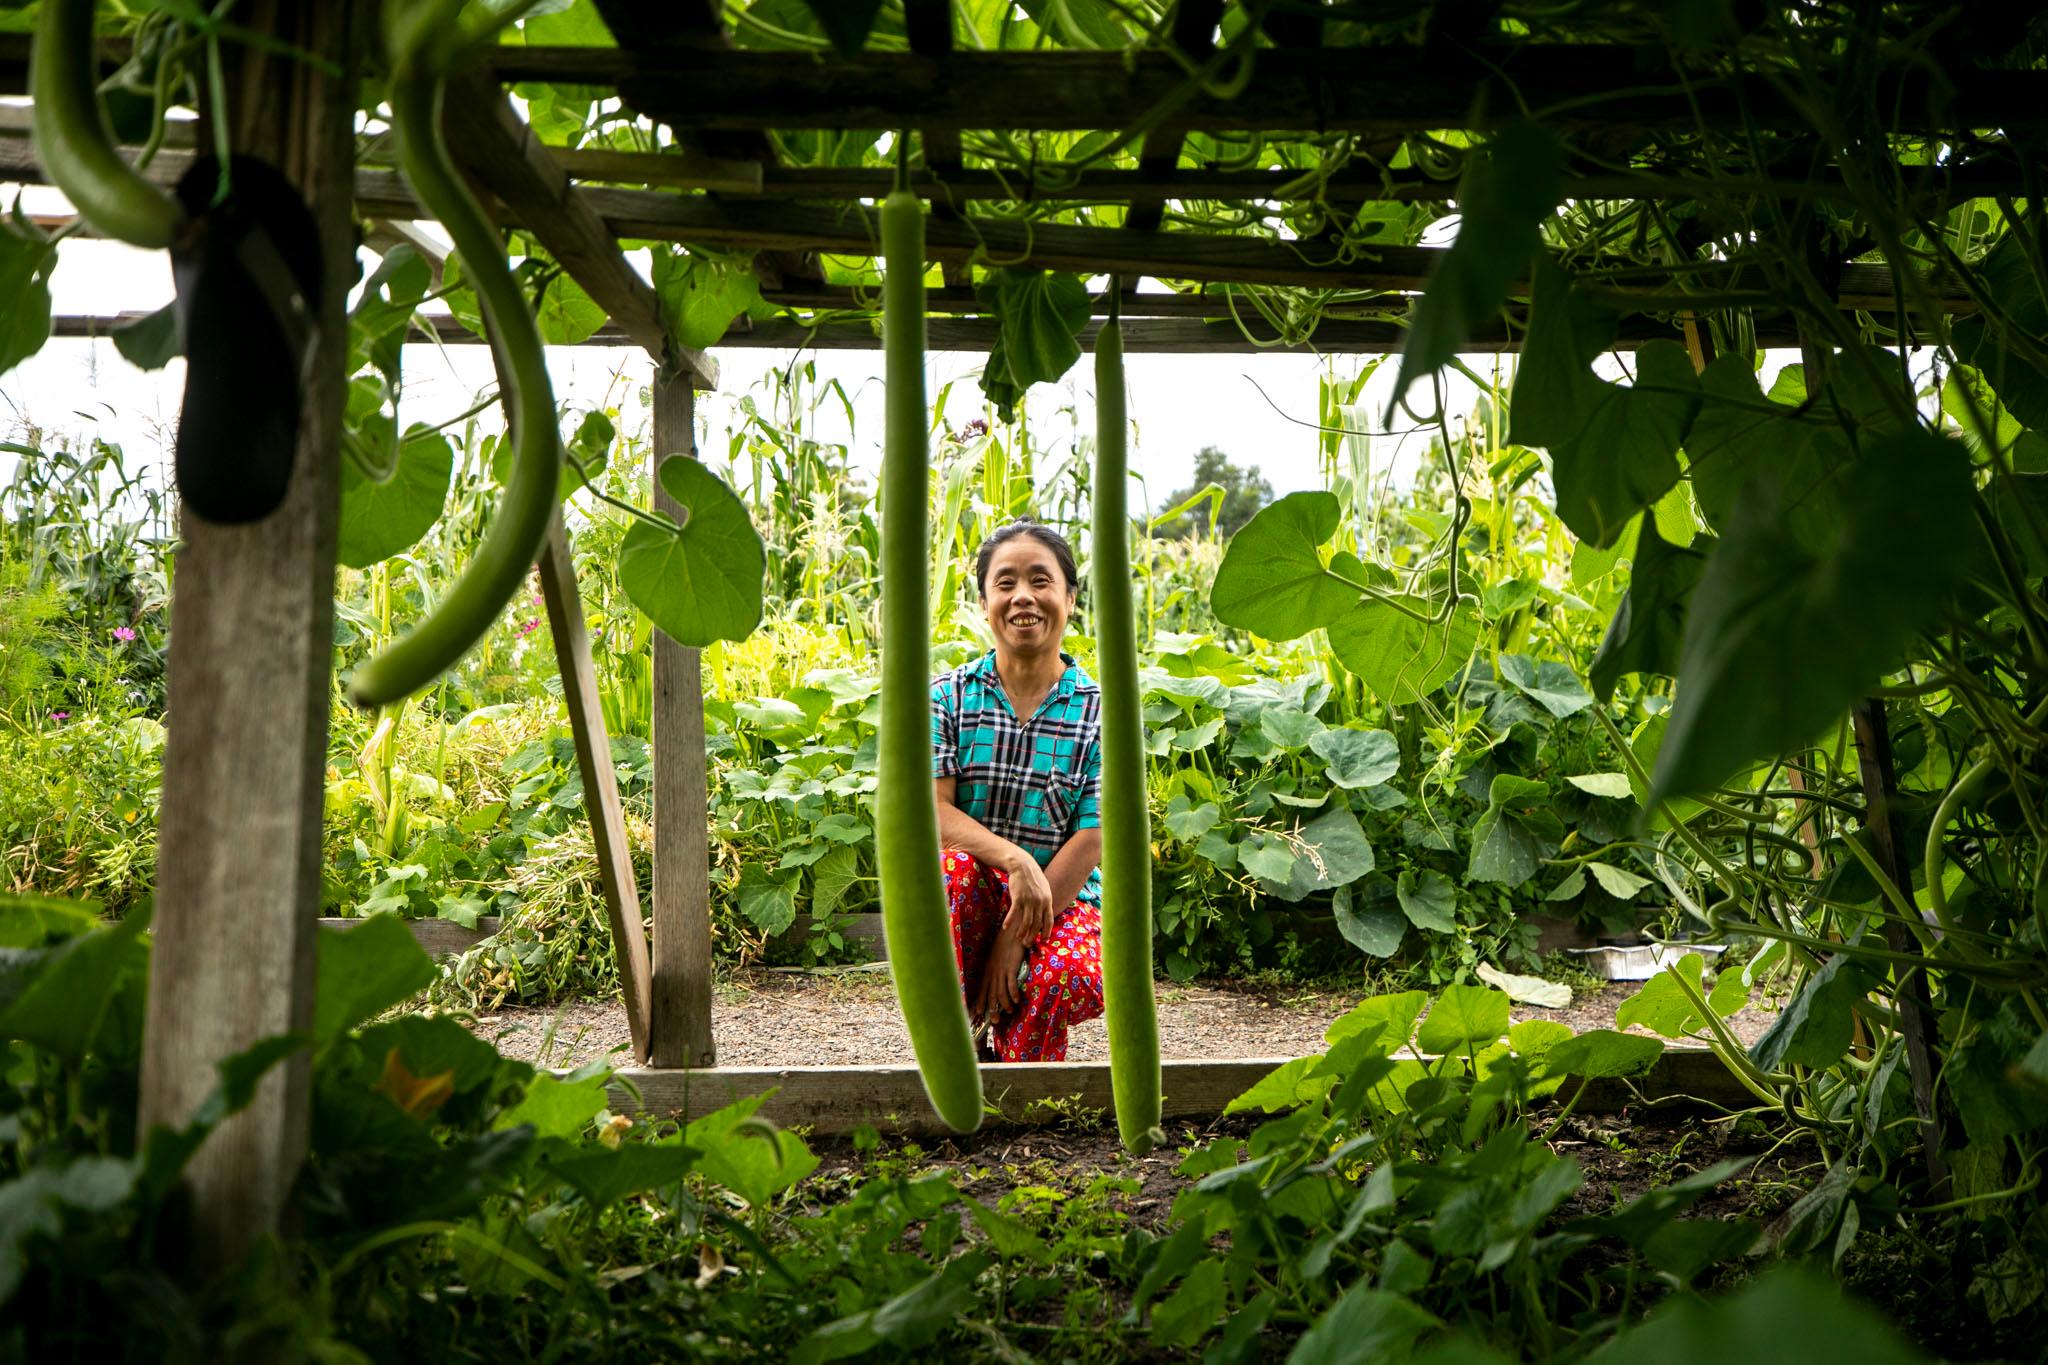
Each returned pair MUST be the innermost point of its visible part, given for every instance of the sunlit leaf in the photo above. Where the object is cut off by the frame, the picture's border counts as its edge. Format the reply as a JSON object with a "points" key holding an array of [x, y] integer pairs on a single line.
{"points": [[1272, 580], [702, 582]]}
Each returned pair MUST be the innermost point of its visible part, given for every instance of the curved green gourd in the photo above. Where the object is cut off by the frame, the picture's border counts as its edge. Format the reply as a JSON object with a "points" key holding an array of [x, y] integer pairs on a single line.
{"points": [[906, 810], [520, 525], [74, 142], [1130, 1011]]}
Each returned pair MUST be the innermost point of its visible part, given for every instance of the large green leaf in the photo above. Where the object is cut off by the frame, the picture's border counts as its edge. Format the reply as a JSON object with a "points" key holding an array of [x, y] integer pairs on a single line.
{"points": [[1464, 1017], [1613, 447], [1357, 758], [1739, 435], [1819, 1023], [1781, 638], [1647, 628], [363, 971], [700, 295], [1550, 684], [1507, 192], [26, 260], [1328, 852], [1040, 316], [59, 997], [378, 520], [1786, 1318], [1400, 658], [701, 582], [2021, 386], [1429, 899], [1365, 1324], [1514, 836], [1371, 923], [1272, 581]]}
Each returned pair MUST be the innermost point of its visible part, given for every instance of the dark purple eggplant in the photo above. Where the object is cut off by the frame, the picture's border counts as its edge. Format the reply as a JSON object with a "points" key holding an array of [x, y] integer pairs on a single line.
{"points": [[247, 268]]}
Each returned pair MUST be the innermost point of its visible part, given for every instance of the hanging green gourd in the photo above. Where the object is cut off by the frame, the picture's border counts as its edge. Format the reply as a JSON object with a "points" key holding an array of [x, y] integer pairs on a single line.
{"points": [[74, 142], [419, 41], [921, 958], [1130, 1013]]}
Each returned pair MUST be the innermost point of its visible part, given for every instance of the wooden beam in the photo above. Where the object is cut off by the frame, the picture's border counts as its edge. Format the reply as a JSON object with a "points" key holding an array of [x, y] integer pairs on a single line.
{"points": [[1193, 31], [838, 1099], [1391, 88], [250, 684], [600, 781], [1156, 336], [500, 149], [682, 830]]}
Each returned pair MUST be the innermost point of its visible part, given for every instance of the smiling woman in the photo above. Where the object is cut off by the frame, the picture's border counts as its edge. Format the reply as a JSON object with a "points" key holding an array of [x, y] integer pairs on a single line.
{"points": [[1016, 740]]}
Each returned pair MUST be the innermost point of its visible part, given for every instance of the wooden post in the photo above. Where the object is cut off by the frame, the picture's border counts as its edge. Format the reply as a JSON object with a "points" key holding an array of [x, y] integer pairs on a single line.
{"points": [[252, 645], [682, 837], [600, 782]]}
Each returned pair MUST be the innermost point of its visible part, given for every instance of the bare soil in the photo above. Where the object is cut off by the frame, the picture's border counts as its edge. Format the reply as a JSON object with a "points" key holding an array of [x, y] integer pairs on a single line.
{"points": [[786, 1018]]}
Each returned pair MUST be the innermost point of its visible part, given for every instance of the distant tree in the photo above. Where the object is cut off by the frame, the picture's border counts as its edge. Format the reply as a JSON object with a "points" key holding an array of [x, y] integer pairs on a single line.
{"points": [[1244, 493]]}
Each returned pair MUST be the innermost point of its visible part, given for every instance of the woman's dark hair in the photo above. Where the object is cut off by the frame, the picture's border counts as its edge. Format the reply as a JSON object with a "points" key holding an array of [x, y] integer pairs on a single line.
{"points": [[1062, 553]]}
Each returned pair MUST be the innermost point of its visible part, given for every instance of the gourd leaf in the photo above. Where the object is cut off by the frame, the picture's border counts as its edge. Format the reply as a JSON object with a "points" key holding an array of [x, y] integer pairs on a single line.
{"points": [[1550, 684], [1647, 628], [701, 295], [1613, 447], [1739, 435], [1507, 192], [1399, 658], [2007, 276], [1040, 316], [1601, 1052], [149, 342], [768, 901], [565, 312], [1429, 900], [378, 520], [1357, 758], [1514, 836], [26, 260], [1331, 851], [1816, 1027], [1272, 581], [363, 971], [702, 581], [1370, 923], [1781, 638], [1464, 1017]]}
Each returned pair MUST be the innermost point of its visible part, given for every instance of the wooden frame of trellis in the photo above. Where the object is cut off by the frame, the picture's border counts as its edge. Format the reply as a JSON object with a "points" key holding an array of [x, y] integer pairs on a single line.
{"points": [[241, 798]]}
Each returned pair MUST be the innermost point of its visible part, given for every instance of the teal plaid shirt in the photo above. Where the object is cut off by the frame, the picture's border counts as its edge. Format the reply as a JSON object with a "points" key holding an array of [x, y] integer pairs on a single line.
{"points": [[1034, 783]]}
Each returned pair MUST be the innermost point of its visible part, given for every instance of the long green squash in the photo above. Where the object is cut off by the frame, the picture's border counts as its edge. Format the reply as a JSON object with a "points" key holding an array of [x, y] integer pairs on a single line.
{"points": [[906, 809], [418, 41], [1130, 1012], [74, 142]]}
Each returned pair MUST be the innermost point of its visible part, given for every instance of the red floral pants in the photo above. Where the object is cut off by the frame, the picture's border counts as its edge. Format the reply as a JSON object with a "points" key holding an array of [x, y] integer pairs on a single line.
{"points": [[1065, 966]]}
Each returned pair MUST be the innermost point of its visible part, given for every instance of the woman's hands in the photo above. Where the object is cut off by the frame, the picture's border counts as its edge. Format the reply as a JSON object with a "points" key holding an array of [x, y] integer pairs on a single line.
{"points": [[1031, 902], [999, 992]]}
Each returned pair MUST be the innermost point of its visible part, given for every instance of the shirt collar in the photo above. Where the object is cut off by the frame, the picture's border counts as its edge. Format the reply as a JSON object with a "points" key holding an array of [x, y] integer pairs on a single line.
{"points": [[1073, 680]]}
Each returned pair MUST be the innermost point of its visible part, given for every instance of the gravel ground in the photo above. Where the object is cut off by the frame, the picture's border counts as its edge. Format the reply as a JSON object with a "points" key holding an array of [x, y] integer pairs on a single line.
{"points": [[770, 1018]]}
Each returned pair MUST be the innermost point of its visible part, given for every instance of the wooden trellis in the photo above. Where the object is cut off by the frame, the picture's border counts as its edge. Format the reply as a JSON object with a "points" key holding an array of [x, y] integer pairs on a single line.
{"points": [[240, 838]]}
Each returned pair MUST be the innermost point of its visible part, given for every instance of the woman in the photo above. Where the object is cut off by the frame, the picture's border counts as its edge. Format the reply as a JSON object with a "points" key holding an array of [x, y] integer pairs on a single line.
{"points": [[1016, 749]]}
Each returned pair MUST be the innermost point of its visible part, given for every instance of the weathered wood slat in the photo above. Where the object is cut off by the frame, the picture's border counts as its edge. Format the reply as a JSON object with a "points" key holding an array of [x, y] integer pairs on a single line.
{"points": [[250, 678], [838, 1099], [1158, 336], [1392, 88], [600, 782], [500, 149], [682, 841]]}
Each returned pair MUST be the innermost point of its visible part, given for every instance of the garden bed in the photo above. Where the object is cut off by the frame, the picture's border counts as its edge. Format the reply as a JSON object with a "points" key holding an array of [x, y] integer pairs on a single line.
{"points": [[772, 1018]]}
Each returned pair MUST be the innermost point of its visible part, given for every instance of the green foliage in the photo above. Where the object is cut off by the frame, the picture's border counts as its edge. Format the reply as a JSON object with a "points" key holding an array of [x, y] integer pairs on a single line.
{"points": [[702, 581]]}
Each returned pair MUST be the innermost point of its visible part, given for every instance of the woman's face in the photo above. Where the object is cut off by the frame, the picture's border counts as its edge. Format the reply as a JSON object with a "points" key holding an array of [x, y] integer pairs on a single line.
{"points": [[1027, 599]]}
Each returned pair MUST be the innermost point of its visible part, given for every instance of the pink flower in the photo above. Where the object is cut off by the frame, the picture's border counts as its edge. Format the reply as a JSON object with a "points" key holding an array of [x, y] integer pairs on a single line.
{"points": [[123, 634], [60, 715]]}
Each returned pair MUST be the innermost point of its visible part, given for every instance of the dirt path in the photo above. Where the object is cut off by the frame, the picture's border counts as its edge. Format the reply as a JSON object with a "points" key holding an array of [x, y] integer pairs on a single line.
{"points": [[773, 1018]]}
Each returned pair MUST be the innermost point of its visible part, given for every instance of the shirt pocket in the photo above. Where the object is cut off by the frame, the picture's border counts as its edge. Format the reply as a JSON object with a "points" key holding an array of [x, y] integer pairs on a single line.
{"points": [[1062, 800]]}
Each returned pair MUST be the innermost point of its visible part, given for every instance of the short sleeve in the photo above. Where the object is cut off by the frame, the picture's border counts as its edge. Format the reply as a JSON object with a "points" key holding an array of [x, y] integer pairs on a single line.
{"points": [[945, 729], [1088, 814]]}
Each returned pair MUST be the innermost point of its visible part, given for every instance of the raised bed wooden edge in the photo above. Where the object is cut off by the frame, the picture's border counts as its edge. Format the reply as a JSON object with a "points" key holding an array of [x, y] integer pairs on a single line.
{"points": [[838, 1099]]}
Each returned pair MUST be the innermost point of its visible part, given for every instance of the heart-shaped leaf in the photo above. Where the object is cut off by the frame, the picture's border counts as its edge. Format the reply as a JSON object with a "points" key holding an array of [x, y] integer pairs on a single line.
{"points": [[702, 581]]}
